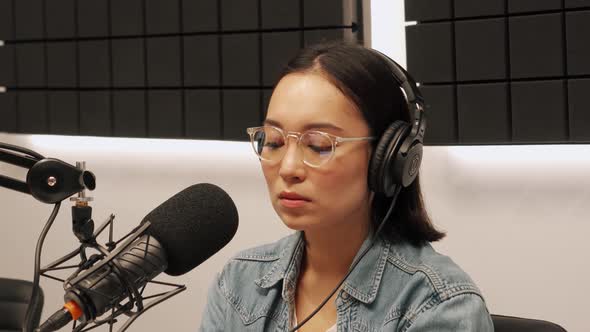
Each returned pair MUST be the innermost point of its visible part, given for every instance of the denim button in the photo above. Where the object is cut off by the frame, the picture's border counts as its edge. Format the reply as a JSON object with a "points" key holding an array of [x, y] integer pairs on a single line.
{"points": [[345, 296]]}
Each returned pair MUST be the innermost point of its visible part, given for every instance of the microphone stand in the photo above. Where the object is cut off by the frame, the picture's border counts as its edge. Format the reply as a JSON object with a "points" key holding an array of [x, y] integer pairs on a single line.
{"points": [[51, 181]]}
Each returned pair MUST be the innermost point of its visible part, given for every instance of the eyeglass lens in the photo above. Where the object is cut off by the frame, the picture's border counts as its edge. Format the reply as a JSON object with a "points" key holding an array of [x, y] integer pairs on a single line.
{"points": [[269, 144]]}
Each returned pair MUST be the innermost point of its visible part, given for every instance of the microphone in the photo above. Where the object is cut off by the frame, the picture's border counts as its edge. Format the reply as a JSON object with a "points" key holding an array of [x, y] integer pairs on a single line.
{"points": [[184, 231]]}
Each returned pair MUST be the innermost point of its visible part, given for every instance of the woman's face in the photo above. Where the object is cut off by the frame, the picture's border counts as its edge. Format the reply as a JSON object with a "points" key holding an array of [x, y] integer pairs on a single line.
{"points": [[309, 198]]}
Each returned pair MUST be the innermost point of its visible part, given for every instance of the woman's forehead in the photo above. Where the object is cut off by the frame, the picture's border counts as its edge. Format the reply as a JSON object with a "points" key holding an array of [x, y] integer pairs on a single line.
{"points": [[303, 98]]}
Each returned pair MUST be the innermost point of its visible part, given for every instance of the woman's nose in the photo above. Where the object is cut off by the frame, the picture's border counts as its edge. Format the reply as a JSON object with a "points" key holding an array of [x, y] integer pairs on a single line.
{"points": [[292, 166]]}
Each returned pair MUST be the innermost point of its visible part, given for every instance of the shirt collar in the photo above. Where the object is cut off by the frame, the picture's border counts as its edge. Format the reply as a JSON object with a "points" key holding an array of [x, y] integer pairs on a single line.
{"points": [[362, 284]]}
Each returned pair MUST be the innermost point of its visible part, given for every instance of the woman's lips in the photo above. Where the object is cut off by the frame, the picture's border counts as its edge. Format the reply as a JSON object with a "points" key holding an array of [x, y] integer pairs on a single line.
{"points": [[292, 200]]}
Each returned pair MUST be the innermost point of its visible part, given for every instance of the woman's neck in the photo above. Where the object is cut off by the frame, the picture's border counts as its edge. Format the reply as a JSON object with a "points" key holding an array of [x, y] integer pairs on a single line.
{"points": [[330, 252]]}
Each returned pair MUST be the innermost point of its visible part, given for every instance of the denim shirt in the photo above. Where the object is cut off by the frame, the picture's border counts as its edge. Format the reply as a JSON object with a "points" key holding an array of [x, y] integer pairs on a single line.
{"points": [[395, 287]]}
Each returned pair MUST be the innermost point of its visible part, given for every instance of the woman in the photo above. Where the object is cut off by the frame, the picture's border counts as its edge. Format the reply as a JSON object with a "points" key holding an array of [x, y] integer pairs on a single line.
{"points": [[326, 116]]}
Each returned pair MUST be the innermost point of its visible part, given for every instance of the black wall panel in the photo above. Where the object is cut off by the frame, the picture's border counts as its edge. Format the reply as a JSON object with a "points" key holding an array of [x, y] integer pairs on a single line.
{"points": [[201, 60], [129, 113], [63, 112], [6, 20], [238, 49], [536, 46], [280, 14], [32, 112], [203, 114], [7, 63], [60, 19], [239, 14], [29, 19], [163, 61], [128, 62], [523, 6], [127, 18], [95, 63], [275, 47], [241, 109], [428, 10], [430, 52], [61, 65], [440, 107], [470, 8], [154, 68], [93, 18], [162, 16], [579, 99], [8, 112], [30, 65], [517, 69], [483, 114], [538, 111], [200, 15], [95, 113], [481, 42], [578, 44], [165, 116]]}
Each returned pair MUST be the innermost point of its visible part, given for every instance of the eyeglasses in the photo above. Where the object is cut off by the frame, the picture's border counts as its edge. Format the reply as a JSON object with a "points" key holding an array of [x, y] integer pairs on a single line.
{"points": [[318, 147]]}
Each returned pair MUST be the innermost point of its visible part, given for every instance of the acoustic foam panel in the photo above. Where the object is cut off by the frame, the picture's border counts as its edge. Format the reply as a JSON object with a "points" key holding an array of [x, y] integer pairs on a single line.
{"points": [[578, 45], [203, 114], [63, 112], [579, 112], [163, 60], [483, 113], [200, 15], [93, 18], [28, 19], [95, 113], [127, 18], [430, 52], [129, 113], [7, 74], [536, 46], [241, 109], [162, 16], [8, 112], [280, 14], [6, 20], [481, 49], [30, 64], [201, 60], [61, 65], [440, 110], [277, 49], [128, 62], [311, 37], [238, 50], [470, 8], [427, 10], [60, 19], [328, 13], [523, 6], [239, 14], [32, 112], [539, 112], [165, 113], [95, 63], [577, 3]]}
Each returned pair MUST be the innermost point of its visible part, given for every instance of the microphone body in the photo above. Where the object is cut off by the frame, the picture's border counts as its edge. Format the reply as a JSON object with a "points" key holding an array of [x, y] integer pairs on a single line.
{"points": [[103, 289]]}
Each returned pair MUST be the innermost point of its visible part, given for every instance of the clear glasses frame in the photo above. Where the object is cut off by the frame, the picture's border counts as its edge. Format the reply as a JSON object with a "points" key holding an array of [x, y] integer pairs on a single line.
{"points": [[335, 141]]}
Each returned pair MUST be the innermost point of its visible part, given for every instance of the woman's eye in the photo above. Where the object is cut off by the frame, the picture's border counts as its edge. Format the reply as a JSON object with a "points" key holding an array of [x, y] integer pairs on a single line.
{"points": [[319, 148], [273, 145]]}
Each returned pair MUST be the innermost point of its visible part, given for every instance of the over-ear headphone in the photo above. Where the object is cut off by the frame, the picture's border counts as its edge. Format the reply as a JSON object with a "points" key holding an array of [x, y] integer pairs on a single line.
{"points": [[397, 157]]}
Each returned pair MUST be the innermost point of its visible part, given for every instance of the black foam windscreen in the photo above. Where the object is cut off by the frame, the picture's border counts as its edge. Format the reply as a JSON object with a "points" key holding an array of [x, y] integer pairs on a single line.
{"points": [[193, 225]]}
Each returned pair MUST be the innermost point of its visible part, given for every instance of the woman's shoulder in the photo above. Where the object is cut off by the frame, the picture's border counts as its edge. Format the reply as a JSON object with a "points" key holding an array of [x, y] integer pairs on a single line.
{"points": [[436, 271]]}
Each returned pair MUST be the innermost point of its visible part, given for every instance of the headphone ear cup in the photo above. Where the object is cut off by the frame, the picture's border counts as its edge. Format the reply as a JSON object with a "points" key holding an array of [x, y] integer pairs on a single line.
{"points": [[381, 171]]}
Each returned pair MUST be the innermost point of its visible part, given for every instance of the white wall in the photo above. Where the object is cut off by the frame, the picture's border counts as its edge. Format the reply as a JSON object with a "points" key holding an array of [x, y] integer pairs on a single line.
{"points": [[516, 216]]}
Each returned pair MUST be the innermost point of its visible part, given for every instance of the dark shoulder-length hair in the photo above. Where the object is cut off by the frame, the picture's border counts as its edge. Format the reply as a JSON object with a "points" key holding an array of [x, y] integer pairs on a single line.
{"points": [[365, 77]]}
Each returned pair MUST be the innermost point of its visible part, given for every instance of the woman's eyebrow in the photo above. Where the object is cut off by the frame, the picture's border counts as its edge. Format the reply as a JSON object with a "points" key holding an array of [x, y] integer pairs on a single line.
{"points": [[313, 125]]}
